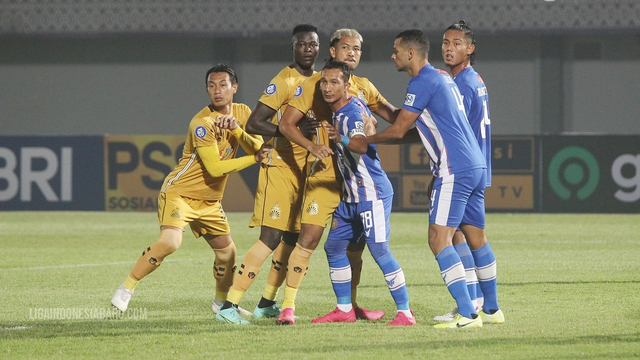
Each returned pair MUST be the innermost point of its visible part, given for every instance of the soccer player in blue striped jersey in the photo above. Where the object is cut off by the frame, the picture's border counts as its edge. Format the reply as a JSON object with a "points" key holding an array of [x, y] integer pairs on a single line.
{"points": [[365, 207], [458, 53], [434, 104]]}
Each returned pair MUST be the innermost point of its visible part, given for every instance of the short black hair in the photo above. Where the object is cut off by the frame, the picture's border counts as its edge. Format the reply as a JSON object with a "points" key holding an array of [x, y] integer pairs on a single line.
{"points": [[346, 72], [222, 68], [416, 39], [466, 30], [304, 28]]}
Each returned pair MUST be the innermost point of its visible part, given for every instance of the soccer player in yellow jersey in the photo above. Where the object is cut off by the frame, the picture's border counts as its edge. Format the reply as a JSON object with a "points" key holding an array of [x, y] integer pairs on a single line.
{"points": [[323, 186], [280, 182], [192, 192]]}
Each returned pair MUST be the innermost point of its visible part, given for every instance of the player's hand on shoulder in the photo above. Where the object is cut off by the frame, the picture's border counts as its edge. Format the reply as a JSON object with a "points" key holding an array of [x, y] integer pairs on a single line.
{"points": [[226, 122], [308, 125]]}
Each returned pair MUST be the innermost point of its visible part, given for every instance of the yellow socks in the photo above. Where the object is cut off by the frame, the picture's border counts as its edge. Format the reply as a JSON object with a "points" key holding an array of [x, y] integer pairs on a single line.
{"points": [[223, 268], [248, 271], [278, 272], [130, 283], [150, 259], [296, 270]]}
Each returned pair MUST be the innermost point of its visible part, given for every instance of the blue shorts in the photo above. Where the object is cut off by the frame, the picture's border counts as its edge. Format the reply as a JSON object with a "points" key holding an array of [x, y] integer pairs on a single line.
{"points": [[371, 218], [459, 199]]}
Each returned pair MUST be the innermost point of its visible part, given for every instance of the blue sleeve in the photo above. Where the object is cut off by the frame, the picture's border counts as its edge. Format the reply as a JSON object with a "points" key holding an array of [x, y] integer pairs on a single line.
{"points": [[355, 124], [418, 96]]}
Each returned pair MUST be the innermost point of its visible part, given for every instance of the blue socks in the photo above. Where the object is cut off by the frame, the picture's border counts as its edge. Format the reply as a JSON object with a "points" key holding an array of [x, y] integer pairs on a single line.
{"points": [[454, 278], [487, 276]]}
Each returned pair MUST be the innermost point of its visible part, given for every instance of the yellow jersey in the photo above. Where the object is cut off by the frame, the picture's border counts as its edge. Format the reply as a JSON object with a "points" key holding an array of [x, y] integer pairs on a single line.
{"points": [[282, 88], [311, 102], [190, 177]]}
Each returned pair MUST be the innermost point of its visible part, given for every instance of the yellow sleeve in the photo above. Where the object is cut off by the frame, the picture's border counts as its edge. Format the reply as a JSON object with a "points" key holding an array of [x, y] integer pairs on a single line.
{"points": [[277, 92], [250, 143], [373, 97], [303, 100], [210, 156]]}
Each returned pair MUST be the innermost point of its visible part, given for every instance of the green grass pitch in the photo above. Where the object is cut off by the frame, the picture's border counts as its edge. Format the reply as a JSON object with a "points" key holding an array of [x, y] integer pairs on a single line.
{"points": [[569, 286]]}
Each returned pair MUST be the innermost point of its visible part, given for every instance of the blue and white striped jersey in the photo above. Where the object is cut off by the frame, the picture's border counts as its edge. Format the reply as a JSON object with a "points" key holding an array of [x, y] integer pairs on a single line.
{"points": [[442, 124], [476, 105], [364, 179]]}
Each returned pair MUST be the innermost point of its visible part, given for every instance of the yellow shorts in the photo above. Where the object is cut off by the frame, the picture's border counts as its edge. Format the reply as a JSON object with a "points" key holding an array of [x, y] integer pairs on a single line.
{"points": [[278, 198], [321, 197], [203, 216]]}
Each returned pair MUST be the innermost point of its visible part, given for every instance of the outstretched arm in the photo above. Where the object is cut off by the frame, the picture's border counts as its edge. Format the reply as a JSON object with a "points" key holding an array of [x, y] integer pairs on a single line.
{"points": [[397, 130], [250, 143], [210, 156], [387, 112]]}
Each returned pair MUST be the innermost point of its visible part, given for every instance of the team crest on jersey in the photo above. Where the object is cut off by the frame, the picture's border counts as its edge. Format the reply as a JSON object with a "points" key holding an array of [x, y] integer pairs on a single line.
{"points": [[271, 89], [409, 99], [298, 91], [361, 96], [274, 213], [312, 209], [201, 132], [176, 214]]}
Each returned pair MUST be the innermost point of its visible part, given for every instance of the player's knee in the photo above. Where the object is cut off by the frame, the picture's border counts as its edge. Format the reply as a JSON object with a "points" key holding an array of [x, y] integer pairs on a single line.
{"points": [[382, 256], [270, 237], [226, 255], [170, 240], [290, 238], [331, 248]]}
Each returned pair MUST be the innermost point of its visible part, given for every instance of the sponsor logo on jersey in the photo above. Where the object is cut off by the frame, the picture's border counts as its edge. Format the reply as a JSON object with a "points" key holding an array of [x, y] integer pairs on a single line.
{"points": [[298, 91], [201, 132], [312, 209], [176, 214], [334, 224], [482, 91], [409, 99], [271, 89], [274, 213]]}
